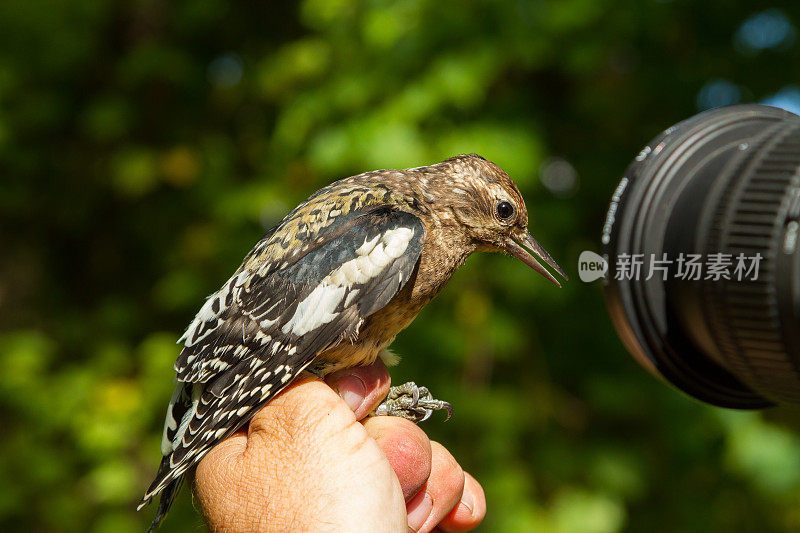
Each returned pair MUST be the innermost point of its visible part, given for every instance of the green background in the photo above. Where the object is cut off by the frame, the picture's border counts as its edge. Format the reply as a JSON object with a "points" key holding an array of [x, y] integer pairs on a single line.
{"points": [[145, 146]]}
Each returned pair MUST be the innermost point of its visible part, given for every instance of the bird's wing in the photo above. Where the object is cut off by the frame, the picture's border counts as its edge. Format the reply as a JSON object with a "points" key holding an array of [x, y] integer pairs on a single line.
{"points": [[351, 267], [258, 332]]}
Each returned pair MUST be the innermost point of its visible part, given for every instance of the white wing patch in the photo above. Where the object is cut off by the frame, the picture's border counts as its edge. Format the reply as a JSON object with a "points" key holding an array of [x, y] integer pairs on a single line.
{"points": [[374, 255], [316, 309], [365, 248]]}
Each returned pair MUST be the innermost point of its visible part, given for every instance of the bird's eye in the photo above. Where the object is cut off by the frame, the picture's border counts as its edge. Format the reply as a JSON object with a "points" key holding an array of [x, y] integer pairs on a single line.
{"points": [[504, 210]]}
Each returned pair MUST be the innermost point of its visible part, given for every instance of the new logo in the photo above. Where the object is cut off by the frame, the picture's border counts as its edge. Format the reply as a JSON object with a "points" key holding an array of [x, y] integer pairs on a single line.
{"points": [[591, 266]]}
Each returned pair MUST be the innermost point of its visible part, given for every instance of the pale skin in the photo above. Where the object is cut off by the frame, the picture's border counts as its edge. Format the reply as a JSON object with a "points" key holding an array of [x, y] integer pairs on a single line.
{"points": [[312, 460]]}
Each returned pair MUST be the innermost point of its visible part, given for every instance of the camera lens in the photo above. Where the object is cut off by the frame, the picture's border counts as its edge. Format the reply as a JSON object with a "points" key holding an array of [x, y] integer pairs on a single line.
{"points": [[701, 240]]}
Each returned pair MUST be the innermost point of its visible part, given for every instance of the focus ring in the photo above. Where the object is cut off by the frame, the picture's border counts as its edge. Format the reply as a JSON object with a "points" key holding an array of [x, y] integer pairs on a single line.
{"points": [[748, 222]]}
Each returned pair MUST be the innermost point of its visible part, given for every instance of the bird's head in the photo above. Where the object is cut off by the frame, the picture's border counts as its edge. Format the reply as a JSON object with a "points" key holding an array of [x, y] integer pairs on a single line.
{"points": [[486, 202]]}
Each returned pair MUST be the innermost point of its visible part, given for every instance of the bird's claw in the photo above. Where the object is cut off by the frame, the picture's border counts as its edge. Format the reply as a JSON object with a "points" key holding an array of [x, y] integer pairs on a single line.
{"points": [[412, 402]]}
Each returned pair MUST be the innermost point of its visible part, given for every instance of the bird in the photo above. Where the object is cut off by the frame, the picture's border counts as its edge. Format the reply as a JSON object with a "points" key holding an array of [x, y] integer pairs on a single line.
{"points": [[328, 288]]}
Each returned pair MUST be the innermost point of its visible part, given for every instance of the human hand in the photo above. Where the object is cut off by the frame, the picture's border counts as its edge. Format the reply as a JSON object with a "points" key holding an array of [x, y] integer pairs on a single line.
{"points": [[306, 463]]}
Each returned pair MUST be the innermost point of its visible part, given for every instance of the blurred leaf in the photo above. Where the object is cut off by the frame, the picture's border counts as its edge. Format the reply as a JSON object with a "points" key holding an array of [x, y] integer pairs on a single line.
{"points": [[582, 512], [134, 172]]}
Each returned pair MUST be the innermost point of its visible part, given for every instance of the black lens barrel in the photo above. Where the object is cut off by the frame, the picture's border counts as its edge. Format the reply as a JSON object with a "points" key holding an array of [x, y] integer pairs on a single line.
{"points": [[723, 185]]}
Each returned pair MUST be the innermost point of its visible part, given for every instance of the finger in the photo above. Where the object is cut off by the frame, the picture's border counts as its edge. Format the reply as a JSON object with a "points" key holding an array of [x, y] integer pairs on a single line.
{"points": [[406, 447], [362, 387], [470, 510], [441, 493]]}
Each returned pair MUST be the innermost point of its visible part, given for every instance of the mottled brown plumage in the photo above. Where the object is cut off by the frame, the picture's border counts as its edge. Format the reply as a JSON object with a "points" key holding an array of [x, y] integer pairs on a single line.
{"points": [[329, 288]]}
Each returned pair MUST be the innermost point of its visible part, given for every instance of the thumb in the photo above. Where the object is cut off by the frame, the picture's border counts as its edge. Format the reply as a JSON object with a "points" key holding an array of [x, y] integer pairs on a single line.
{"points": [[361, 387], [305, 413], [290, 465], [296, 412], [303, 417]]}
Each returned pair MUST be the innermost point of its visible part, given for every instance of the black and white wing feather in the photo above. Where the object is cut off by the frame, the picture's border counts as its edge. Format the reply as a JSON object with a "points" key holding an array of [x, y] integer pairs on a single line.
{"points": [[270, 320]]}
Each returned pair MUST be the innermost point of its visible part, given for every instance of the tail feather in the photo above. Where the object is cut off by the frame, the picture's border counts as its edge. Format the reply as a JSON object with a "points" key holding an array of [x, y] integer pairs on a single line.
{"points": [[165, 477], [168, 496], [168, 483]]}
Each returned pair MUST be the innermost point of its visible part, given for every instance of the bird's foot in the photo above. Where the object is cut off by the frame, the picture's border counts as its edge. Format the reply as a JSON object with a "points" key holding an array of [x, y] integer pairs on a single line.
{"points": [[412, 402]]}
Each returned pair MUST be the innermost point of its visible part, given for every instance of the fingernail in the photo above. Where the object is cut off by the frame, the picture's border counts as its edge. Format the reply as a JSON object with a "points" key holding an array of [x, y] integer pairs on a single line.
{"points": [[468, 500], [352, 390], [419, 509]]}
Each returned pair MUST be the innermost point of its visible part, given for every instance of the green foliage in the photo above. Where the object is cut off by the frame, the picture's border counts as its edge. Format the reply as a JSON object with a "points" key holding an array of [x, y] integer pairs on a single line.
{"points": [[145, 146]]}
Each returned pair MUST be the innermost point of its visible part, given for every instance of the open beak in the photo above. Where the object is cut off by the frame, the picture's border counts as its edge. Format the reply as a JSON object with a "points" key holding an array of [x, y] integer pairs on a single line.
{"points": [[516, 247]]}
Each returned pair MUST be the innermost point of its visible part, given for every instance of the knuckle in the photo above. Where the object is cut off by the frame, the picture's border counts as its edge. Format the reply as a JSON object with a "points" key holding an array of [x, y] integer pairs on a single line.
{"points": [[408, 448]]}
